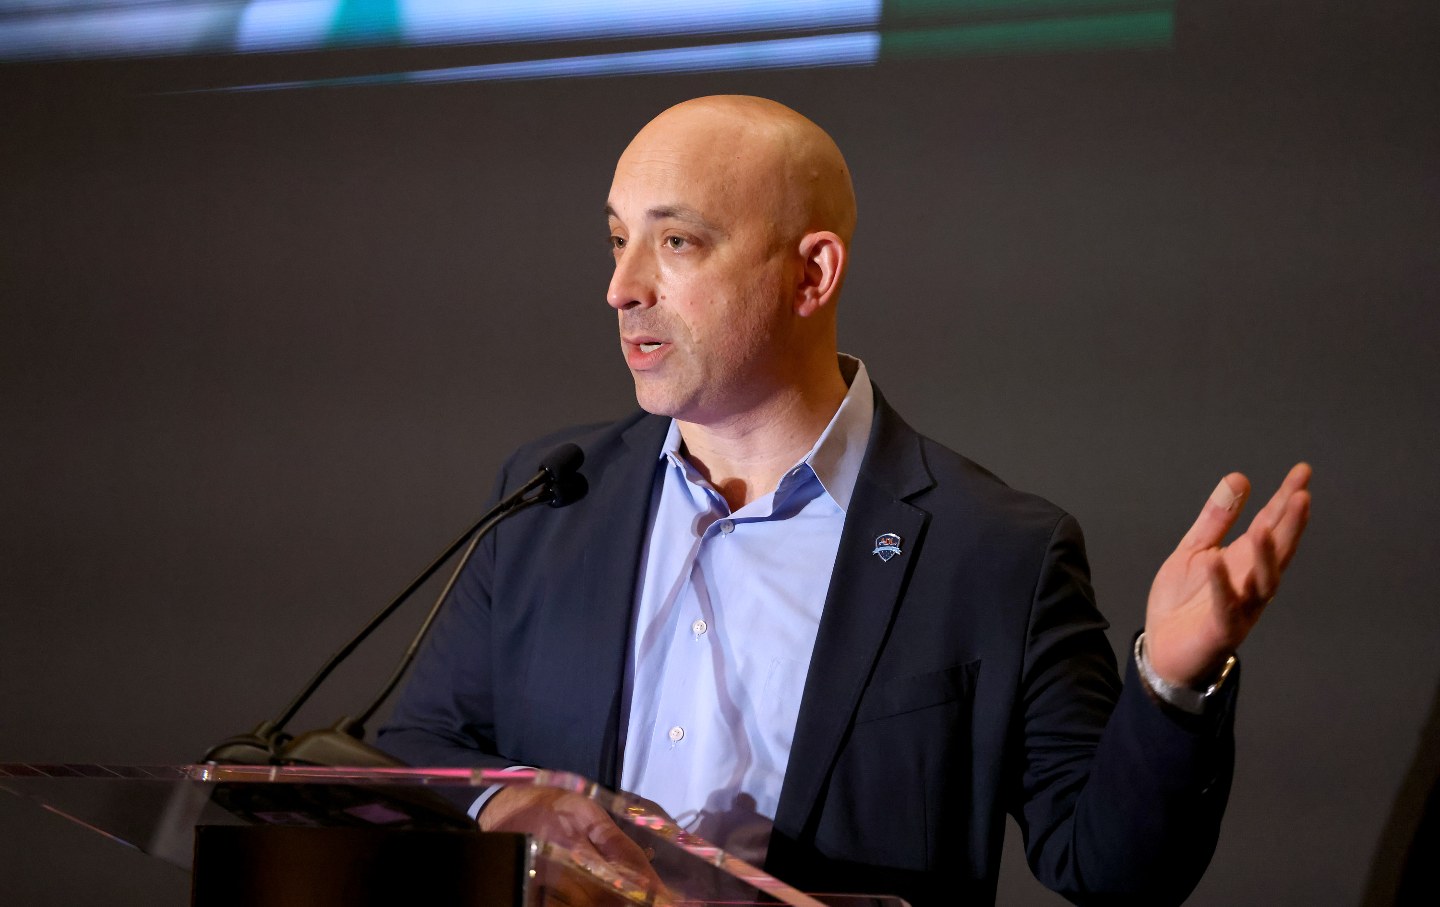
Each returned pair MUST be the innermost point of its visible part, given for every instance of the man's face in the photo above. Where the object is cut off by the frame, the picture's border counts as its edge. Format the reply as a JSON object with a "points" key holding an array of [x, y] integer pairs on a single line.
{"points": [[700, 274]]}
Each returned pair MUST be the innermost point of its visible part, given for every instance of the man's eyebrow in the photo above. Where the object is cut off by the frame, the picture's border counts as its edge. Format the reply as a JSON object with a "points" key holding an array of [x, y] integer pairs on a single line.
{"points": [[674, 212]]}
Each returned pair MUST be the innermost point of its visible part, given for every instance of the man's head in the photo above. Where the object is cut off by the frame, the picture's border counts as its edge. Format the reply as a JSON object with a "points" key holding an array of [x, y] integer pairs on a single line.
{"points": [[730, 220]]}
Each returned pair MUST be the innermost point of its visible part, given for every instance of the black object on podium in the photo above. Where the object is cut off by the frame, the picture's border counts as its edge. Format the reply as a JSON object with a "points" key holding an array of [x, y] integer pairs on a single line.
{"points": [[242, 866]]}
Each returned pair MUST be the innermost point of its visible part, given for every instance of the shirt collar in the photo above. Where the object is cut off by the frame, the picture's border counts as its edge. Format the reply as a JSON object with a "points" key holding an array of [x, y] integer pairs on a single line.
{"points": [[836, 455]]}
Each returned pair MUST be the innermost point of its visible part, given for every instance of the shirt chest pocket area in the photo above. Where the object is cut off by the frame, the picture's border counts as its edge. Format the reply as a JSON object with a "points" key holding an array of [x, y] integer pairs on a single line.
{"points": [[912, 693]]}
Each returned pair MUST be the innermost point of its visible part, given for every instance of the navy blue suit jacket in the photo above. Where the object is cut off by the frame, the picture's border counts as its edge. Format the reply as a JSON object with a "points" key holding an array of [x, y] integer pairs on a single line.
{"points": [[968, 677]]}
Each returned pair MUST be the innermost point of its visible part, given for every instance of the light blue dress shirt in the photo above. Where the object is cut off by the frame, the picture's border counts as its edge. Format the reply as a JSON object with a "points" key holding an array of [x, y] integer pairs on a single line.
{"points": [[728, 605]]}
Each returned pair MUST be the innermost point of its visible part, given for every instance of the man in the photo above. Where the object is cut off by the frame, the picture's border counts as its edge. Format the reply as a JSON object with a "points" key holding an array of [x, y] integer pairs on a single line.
{"points": [[802, 628]]}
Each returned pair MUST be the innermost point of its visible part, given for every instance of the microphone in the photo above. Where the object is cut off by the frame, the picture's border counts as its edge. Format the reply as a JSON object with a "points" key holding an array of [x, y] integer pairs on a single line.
{"points": [[562, 461], [557, 483]]}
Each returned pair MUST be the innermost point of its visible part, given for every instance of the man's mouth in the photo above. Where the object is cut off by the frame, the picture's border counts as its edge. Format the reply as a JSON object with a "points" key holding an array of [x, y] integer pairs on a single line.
{"points": [[644, 351]]}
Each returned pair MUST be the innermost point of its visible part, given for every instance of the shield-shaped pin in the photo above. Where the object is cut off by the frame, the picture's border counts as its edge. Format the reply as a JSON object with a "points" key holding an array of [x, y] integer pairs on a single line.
{"points": [[887, 545]]}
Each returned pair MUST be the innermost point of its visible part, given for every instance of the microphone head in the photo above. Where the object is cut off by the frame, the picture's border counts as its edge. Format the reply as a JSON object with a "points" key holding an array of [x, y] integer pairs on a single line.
{"points": [[562, 461], [568, 489]]}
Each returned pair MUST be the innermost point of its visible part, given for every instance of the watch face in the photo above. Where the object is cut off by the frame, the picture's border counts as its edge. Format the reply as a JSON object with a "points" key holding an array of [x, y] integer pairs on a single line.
{"points": [[1220, 681]]}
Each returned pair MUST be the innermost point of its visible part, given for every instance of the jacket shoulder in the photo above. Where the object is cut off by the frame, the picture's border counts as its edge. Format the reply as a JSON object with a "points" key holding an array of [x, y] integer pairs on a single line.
{"points": [[601, 443], [950, 485]]}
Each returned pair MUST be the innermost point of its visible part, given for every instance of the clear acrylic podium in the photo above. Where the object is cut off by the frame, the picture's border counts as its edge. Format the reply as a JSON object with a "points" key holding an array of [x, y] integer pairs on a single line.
{"points": [[271, 835]]}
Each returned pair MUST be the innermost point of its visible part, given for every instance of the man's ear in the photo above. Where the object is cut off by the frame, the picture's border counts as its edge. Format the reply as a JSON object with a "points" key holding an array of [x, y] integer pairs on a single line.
{"points": [[824, 258]]}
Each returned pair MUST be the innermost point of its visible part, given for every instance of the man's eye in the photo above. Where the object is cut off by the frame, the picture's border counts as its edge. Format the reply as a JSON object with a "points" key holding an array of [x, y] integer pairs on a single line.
{"points": [[676, 243], [617, 243]]}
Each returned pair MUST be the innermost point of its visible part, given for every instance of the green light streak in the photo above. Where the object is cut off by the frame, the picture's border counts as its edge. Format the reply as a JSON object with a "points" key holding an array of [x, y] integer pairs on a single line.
{"points": [[899, 10], [1081, 33], [365, 22]]}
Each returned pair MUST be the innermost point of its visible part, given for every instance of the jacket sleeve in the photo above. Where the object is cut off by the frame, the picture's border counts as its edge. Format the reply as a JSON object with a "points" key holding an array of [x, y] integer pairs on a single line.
{"points": [[1119, 797], [444, 715]]}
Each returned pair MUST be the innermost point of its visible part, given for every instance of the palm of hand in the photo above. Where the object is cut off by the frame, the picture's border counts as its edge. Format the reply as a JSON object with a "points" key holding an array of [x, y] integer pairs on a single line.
{"points": [[1206, 597]]}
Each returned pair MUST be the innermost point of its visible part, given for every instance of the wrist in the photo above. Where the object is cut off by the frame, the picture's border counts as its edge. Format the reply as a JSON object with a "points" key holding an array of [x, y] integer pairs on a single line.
{"points": [[1188, 698], [478, 807]]}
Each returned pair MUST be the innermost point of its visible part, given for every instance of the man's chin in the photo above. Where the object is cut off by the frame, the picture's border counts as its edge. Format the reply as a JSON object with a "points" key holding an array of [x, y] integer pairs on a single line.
{"points": [[659, 404], [657, 408], [653, 395]]}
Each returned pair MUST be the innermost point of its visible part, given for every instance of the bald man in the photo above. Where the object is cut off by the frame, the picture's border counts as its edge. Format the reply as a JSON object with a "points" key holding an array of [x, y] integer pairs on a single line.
{"points": [[812, 635]]}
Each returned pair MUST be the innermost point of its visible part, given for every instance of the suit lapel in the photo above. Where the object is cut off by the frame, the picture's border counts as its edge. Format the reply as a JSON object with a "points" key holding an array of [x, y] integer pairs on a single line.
{"points": [[617, 523], [863, 595]]}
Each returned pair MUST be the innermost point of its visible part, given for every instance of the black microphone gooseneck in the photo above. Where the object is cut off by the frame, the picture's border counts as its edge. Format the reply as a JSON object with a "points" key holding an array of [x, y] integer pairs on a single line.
{"points": [[557, 483]]}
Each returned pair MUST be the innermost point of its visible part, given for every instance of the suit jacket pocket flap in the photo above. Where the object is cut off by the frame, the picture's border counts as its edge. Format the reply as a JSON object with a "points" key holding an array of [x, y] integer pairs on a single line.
{"points": [[918, 691]]}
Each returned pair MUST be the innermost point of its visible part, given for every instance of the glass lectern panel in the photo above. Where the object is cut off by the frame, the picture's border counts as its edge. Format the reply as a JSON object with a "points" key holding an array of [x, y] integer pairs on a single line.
{"points": [[158, 809]]}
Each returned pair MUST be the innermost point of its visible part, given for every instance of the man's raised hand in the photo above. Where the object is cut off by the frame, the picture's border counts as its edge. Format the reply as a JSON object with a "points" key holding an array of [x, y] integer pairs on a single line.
{"points": [[1207, 596]]}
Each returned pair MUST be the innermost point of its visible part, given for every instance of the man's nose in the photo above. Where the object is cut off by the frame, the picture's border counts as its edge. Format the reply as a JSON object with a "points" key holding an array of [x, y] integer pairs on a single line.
{"points": [[633, 283]]}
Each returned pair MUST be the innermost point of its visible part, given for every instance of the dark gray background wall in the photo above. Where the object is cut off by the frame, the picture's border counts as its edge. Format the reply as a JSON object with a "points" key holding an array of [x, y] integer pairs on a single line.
{"points": [[260, 355]]}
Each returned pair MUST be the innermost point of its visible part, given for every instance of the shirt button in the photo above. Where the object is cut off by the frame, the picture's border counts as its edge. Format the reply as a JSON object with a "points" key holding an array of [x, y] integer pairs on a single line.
{"points": [[677, 733], [727, 526], [699, 627]]}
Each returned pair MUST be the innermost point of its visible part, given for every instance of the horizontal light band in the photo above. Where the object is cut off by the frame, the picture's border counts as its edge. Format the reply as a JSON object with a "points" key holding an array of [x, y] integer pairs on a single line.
{"points": [[1113, 31], [851, 49], [307, 24], [72, 29]]}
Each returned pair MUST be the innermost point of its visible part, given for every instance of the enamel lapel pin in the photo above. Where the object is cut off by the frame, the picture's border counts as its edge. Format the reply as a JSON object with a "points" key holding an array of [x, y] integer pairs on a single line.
{"points": [[887, 545]]}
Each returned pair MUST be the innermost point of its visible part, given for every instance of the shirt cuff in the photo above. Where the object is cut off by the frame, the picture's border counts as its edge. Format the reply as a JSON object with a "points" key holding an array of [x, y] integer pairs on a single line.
{"points": [[492, 790]]}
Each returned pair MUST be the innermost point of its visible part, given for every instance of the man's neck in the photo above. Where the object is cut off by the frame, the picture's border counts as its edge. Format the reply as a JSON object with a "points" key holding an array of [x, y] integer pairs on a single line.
{"points": [[744, 457]]}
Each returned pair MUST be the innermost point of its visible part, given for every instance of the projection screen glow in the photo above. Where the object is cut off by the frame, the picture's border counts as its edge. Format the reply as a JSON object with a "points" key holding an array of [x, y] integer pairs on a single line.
{"points": [[740, 34]]}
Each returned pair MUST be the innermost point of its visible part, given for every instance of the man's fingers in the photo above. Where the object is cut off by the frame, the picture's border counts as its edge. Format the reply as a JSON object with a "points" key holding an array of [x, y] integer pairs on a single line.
{"points": [[1298, 477], [600, 842], [1221, 589], [1265, 571], [574, 823], [1284, 516], [1293, 512], [1291, 526], [1295, 481], [618, 848], [585, 852], [1218, 514]]}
